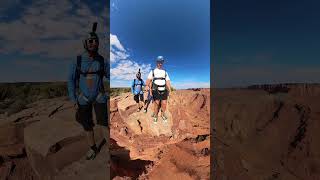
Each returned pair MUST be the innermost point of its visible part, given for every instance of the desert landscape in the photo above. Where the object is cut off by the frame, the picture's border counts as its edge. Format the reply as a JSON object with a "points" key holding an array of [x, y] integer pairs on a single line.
{"points": [[43, 141], [267, 132], [263, 132]]}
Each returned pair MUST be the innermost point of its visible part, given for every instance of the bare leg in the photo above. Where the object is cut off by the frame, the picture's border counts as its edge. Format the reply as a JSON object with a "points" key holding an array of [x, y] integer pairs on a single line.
{"points": [[147, 104], [163, 106], [106, 134], [90, 138], [156, 107]]}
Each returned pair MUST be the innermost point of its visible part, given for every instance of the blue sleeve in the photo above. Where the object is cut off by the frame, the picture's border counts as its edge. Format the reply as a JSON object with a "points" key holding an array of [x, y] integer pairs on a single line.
{"points": [[132, 87], [71, 82], [143, 83]]}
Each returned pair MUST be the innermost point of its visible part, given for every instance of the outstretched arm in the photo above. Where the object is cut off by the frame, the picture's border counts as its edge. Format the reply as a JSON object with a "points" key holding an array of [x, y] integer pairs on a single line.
{"points": [[149, 81], [148, 84], [168, 84]]}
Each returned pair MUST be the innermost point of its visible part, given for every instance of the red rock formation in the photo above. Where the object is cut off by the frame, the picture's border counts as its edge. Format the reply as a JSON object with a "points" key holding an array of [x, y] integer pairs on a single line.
{"points": [[168, 145], [45, 142], [267, 136]]}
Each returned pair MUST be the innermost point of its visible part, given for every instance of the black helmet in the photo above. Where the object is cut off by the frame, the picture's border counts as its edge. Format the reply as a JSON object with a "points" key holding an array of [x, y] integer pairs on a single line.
{"points": [[138, 75], [91, 36]]}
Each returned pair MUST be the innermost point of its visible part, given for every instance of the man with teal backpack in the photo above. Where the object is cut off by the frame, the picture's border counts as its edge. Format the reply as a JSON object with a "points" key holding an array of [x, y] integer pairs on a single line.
{"points": [[136, 89]]}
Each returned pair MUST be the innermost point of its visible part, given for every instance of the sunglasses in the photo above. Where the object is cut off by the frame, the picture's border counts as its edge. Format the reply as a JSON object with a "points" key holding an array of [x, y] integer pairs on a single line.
{"points": [[92, 41]]}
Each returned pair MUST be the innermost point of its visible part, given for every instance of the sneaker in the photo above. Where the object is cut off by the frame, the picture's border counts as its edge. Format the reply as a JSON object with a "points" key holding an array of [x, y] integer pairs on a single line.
{"points": [[91, 154], [164, 117], [145, 110], [155, 120]]}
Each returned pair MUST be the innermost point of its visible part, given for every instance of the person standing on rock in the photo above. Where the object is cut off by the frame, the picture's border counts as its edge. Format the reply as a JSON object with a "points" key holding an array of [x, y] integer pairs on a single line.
{"points": [[86, 90], [136, 89], [159, 83]]}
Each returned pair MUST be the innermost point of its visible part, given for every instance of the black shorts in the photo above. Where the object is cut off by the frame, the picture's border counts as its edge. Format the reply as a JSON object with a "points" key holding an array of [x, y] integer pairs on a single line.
{"points": [[84, 115], [137, 97], [160, 95]]}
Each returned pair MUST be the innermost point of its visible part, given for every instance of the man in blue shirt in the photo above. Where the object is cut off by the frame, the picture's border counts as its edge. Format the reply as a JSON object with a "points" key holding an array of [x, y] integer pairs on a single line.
{"points": [[86, 90], [136, 89]]}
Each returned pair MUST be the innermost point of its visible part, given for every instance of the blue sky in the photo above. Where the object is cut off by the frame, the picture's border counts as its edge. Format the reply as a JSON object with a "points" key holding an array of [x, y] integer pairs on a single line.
{"points": [[257, 42], [40, 39], [178, 30]]}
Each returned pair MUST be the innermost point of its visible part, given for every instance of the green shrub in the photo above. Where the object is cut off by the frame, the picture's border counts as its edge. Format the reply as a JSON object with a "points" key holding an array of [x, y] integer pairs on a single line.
{"points": [[17, 106], [118, 91]]}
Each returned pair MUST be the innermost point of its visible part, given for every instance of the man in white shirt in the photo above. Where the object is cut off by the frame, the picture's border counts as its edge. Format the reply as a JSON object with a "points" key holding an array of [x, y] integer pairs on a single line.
{"points": [[159, 83]]}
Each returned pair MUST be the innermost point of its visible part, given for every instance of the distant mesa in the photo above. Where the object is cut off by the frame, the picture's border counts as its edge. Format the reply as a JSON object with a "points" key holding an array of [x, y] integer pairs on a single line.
{"points": [[293, 88]]}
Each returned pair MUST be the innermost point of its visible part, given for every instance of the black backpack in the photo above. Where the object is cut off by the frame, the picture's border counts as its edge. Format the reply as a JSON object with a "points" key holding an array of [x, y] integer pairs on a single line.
{"points": [[134, 82], [101, 72], [155, 86]]}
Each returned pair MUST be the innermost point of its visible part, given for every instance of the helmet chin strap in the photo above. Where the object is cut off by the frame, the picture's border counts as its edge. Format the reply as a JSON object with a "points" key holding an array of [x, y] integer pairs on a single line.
{"points": [[92, 53]]}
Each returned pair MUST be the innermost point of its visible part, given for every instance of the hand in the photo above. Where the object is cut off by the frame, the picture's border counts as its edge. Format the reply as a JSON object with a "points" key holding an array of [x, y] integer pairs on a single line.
{"points": [[75, 106]]}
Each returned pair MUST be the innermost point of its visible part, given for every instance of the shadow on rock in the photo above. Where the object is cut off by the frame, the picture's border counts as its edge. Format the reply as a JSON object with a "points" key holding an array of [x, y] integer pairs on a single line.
{"points": [[122, 165]]}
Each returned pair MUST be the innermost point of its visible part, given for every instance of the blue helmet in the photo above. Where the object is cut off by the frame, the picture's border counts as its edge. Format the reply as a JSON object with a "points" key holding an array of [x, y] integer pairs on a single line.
{"points": [[160, 59]]}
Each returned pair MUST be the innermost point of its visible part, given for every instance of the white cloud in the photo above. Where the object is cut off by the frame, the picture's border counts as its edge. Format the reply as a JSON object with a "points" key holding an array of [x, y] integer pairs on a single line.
{"points": [[127, 70], [117, 51], [124, 69], [114, 42], [52, 29]]}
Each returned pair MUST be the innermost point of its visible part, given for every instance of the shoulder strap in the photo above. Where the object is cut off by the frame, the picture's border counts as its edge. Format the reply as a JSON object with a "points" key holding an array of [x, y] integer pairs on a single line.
{"points": [[79, 62], [102, 68], [78, 69], [162, 78], [101, 72]]}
